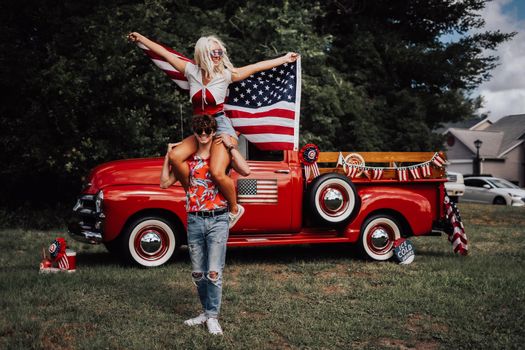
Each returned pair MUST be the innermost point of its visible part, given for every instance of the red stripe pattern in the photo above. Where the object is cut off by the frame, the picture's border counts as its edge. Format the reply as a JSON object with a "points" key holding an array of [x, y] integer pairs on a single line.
{"points": [[456, 234], [352, 171], [264, 107], [63, 263], [176, 76]]}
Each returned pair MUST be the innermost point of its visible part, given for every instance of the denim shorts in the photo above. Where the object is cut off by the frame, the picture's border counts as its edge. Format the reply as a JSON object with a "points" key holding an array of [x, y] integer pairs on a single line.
{"points": [[225, 126]]}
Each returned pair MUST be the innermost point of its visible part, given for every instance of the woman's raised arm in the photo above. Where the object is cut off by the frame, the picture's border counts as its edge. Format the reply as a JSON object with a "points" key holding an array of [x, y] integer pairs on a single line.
{"points": [[176, 62], [242, 73]]}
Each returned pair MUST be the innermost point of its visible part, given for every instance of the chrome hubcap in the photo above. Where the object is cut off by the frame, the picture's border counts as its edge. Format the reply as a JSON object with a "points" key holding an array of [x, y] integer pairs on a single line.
{"points": [[151, 242], [333, 199], [380, 238]]}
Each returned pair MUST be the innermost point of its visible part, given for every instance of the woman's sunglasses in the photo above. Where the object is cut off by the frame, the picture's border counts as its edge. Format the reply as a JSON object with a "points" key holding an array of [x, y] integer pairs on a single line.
{"points": [[216, 53], [207, 131]]}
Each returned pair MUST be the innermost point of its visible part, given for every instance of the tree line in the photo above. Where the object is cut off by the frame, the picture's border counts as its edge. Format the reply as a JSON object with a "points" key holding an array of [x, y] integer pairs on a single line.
{"points": [[378, 75]]}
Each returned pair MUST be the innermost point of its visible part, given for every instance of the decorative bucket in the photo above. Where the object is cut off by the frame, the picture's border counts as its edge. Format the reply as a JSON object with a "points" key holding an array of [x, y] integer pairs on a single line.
{"points": [[72, 260]]}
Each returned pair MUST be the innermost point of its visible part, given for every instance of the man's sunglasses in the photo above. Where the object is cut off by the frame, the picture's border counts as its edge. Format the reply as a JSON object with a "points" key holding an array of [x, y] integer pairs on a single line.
{"points": [[207, 131], [216, 53]]}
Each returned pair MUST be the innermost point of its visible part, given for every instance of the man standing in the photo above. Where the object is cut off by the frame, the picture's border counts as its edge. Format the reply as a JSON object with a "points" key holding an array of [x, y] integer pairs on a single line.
{"points": [[207, 220]]}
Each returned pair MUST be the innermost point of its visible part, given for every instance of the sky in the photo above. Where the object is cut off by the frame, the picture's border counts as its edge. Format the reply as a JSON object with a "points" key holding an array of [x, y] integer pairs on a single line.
{"points": [[504, 93]]}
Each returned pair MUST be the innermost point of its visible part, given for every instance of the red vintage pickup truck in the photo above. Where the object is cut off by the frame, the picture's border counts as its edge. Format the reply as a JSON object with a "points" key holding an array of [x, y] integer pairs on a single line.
{"points": [[123, 206]]}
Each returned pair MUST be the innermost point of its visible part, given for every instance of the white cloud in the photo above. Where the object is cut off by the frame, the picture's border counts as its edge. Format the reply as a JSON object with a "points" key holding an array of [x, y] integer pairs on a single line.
{"points": [[504, 93]]}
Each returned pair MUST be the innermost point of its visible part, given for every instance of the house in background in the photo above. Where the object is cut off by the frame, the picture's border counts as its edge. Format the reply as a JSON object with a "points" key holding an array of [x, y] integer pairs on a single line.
{"points": [[501, 150]]}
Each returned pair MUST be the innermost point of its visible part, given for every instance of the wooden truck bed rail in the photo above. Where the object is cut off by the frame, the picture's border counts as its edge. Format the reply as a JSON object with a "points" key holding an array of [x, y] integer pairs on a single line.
{"points": [[389, 162]]}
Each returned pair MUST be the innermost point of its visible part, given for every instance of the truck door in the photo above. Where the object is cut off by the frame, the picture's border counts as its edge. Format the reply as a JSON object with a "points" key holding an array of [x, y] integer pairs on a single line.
{"points": [[266, 194]]}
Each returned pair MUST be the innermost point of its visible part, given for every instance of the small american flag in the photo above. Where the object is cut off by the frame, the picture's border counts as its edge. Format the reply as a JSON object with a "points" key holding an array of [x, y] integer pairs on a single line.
{"points": [[414, 171], [438, 160], [377, 174], [425, 169], [257, 191], [402, 174]]}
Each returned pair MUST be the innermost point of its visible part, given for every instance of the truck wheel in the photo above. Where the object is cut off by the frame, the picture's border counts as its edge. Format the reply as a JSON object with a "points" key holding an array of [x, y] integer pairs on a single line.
{"points": [[378, 234], [332, 198], [150, 241]]}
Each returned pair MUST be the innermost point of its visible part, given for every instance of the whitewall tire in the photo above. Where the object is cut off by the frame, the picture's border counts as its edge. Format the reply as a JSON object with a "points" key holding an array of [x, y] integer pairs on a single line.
{"points": [[150, 241], [378, 234], [333, 199]]}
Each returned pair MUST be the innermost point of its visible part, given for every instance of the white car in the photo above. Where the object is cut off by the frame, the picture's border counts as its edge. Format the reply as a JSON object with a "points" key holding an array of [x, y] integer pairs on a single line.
{"points": [[454, 186], [493, 190]]}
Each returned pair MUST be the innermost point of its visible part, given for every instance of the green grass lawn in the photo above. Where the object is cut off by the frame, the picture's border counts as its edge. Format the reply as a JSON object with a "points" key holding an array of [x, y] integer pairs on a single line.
{"points": [[300, 297]]}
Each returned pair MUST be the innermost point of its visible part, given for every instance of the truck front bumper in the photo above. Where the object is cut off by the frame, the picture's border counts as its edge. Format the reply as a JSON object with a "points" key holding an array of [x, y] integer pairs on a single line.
{"points": [[87, 221]]}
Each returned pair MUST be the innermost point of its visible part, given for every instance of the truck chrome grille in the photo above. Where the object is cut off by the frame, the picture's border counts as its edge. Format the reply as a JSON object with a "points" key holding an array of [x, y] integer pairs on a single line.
{"points": [[87, 226]]}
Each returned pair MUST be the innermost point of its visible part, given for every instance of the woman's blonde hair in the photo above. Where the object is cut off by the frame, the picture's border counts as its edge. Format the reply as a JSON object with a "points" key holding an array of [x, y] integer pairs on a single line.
{"points": [[203, 59]]}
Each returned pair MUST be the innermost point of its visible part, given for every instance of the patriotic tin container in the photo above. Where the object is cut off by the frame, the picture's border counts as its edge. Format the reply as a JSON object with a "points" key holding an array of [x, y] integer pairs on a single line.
{"points": [[72, 260]]}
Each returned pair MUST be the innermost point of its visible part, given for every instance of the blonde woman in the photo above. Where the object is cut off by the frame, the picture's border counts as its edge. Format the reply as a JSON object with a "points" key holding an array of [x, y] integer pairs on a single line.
{"points": [[208, 79]]}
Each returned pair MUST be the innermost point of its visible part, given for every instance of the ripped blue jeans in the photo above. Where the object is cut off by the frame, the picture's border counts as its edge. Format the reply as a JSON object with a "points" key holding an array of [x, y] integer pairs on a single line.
{"points": [[207, 237]]}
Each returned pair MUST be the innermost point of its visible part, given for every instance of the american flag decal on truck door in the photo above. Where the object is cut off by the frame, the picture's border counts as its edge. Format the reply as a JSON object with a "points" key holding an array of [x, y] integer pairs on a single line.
{"points": [[256, 191]]}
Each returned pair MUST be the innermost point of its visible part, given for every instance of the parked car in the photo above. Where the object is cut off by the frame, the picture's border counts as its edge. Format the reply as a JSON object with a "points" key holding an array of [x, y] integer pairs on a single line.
{"points": [[454, 186], [493, 190]]}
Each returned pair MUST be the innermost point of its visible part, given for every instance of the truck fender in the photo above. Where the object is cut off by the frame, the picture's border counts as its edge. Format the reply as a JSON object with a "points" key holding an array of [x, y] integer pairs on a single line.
{"points": [[121, 203], [411, 207]]}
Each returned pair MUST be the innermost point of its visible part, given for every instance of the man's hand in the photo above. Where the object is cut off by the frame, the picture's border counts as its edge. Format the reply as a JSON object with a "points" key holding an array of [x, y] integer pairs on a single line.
{"points": [[172, 146], [226, 140]]}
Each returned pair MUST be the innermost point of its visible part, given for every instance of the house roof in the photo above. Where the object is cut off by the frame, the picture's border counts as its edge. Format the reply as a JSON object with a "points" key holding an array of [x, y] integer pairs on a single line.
{"points": [[513, 129], [463, 124], [492, 140], [481, 124]]}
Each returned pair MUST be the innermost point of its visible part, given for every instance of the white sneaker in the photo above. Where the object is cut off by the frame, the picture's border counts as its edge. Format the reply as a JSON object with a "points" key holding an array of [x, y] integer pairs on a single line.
{"points": [[213, 326], [233, 218], [196, 320]]}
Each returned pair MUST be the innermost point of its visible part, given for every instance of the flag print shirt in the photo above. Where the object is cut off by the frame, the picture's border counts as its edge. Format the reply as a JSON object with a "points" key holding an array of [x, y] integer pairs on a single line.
{"points": [[203, 194], [209, 98]]}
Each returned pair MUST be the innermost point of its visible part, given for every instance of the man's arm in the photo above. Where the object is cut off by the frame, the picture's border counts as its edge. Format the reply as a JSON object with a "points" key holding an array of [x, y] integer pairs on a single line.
{"points": [[167, 177]]}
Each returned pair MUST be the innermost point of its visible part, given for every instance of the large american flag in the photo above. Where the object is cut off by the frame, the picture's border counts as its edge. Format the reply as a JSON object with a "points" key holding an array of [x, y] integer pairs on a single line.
{"points": [[257, 191], [264, 107]]}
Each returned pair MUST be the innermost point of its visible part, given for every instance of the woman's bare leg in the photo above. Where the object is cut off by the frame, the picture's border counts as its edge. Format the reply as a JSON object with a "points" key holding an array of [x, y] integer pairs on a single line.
{"points": [[178, 157], [219, 161]]}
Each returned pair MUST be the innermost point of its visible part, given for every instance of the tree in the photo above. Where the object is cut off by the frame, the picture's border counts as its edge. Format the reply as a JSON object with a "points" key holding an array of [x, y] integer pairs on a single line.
{"points": [[376, 76], [414, 80]]}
